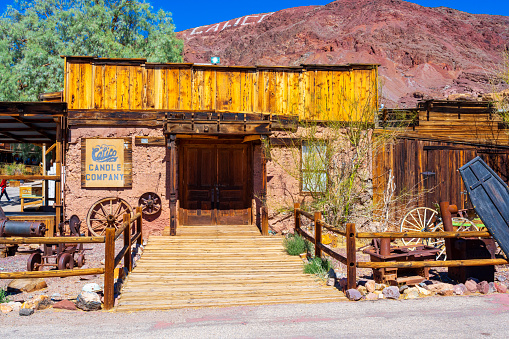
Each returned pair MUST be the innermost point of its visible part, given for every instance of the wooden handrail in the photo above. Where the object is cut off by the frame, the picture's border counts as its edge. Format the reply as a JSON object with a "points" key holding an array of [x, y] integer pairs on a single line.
{"points": [[332, 229], [112, 261], [420, 264], [49, 274], [420, 235]]}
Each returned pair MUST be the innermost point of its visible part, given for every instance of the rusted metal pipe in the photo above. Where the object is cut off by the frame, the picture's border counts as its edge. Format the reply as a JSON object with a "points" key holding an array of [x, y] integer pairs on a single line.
{"points": [[445, 211], [385, 246]]}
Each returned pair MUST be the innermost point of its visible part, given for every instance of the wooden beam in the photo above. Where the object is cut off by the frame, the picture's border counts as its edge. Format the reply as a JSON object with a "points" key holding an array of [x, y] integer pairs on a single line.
{"points": [[52, 240], [30, 177], [34, 128], [50, 274], [420, 264]]}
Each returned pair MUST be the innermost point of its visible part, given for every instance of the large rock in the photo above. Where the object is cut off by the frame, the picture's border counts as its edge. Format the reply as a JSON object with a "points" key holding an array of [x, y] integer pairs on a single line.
{"points": [[391, 292], [411, 293], [353, 294], [5, 308], [483, 287], [65, 305], [26, 311], [501, 288], [26, 285], [471, 286], [440, 287], [423, 291], [362, 289], [460, 289], [88, 301], [35, 302], [370, 285]]}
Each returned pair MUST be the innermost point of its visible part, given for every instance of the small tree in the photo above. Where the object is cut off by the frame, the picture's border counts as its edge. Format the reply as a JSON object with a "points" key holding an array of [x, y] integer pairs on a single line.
{"points": [[34, 34], [333, 162]]}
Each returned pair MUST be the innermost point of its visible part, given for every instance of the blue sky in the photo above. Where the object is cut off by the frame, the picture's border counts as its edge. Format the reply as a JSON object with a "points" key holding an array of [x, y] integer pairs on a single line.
{"points": [[199, 13]]}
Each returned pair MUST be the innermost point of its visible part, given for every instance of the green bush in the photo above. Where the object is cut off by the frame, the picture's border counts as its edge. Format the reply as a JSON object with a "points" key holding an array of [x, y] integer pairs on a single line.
{"points": [[318, 266], [3, 296], [295, 245]]}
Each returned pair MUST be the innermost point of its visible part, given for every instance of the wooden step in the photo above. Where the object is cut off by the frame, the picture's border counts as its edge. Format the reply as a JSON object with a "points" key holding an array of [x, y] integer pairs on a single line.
{"points": [[208, 266]]}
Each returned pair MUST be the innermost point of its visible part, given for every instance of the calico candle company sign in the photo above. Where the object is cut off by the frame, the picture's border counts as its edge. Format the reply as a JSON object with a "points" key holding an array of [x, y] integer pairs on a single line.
{"points": [[104, 163]]}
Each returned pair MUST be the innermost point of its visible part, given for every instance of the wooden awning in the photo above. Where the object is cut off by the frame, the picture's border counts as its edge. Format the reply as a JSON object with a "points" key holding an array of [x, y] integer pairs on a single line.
{"points": [[30, 122], [227, 123]]}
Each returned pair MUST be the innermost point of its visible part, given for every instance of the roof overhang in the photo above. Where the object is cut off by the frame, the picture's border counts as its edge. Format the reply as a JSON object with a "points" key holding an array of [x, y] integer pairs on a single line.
{"points": [[30, 122]]}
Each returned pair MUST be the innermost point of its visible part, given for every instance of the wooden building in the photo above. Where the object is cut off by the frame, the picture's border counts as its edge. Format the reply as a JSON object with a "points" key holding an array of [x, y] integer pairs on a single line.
{"points": [[192, 133], [427, 155]]}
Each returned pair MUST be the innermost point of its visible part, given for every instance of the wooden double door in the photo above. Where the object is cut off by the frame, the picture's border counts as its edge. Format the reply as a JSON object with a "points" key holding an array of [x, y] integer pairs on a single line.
{"points": [[215, 186]]}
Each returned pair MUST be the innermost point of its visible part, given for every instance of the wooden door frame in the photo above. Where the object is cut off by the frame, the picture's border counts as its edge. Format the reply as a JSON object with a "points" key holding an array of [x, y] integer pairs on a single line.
{"points": [[219, 141]]}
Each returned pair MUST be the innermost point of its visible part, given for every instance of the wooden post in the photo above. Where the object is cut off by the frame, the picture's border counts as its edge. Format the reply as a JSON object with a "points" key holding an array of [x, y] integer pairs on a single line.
{"points": [[318, 234], [351, 256], [263, 195], [139, 226], [44, 182], [172, 146], [128, 263], [296, 213], [109, 268], [58, 183]]}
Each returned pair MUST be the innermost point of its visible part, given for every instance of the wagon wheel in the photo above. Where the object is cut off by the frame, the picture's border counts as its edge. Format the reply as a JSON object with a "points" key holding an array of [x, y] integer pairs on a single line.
{"points": [[34, 261], [460, 225], [150, 203], [81, 260], [420, 219], [66, 262], [104, 211]]}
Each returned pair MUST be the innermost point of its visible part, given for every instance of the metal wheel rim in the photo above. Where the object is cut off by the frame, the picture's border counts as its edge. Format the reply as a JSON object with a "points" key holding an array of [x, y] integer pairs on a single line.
{"points": [[417, 220], [99, 211]]}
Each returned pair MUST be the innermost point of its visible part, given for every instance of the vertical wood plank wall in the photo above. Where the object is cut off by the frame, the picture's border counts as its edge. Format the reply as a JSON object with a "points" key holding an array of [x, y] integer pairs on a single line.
{"points": [[419, 164], [310, 92]]}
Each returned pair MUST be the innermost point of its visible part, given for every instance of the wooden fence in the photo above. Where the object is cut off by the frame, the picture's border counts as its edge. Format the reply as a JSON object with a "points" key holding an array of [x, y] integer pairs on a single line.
{"points": [[131, 229], [351, 256]]}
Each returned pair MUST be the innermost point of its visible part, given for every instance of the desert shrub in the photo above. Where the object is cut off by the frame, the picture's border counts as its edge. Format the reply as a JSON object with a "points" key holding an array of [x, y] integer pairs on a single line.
{"points": [[318, 266], [3, 296], [295, 245]]}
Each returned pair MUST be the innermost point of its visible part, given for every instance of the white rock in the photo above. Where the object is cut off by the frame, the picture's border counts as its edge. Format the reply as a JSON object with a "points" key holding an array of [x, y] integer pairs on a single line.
{"points": [[92, 287]]}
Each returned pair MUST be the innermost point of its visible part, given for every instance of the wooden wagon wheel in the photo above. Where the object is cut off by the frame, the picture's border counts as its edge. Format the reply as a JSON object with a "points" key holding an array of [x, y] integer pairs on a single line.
{"points": [[420, 219], [460, 224], [150, 203], [106, 210]]}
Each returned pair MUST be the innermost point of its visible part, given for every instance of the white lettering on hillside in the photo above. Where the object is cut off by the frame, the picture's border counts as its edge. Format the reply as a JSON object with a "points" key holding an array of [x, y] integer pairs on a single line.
{"points": [[242, 21]]}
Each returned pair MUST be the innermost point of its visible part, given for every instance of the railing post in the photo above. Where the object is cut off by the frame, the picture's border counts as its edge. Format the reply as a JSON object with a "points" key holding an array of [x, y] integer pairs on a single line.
{"points": [[109, 267], [296, 213], [139, 229], [351, 256], [127, 243], [318, 234]]}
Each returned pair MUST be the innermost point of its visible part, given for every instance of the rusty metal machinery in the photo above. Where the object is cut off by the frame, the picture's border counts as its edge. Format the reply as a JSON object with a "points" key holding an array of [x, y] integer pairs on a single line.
{"points": [[150, 203], [382, 251], [9, 228], [61, 256]]}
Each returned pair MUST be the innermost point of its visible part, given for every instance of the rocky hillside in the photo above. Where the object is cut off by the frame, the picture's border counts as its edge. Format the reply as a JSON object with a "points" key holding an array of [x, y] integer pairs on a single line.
{"points": [[423, 52]]}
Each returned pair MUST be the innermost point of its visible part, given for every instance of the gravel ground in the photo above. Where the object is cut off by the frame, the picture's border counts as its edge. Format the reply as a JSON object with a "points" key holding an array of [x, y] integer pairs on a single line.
{"points": [[68, 287]]}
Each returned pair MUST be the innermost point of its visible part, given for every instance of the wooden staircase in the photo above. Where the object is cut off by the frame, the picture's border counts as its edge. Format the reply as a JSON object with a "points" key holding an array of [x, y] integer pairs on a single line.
{"points": [[219, 266]]}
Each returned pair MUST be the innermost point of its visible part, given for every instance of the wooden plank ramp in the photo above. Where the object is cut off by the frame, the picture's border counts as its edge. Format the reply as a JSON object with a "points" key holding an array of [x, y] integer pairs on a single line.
{"points": [[219, 266]]}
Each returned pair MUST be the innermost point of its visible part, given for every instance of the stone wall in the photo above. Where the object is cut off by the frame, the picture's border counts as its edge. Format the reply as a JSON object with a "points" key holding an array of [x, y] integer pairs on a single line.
{"points": [[149, 170]]}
